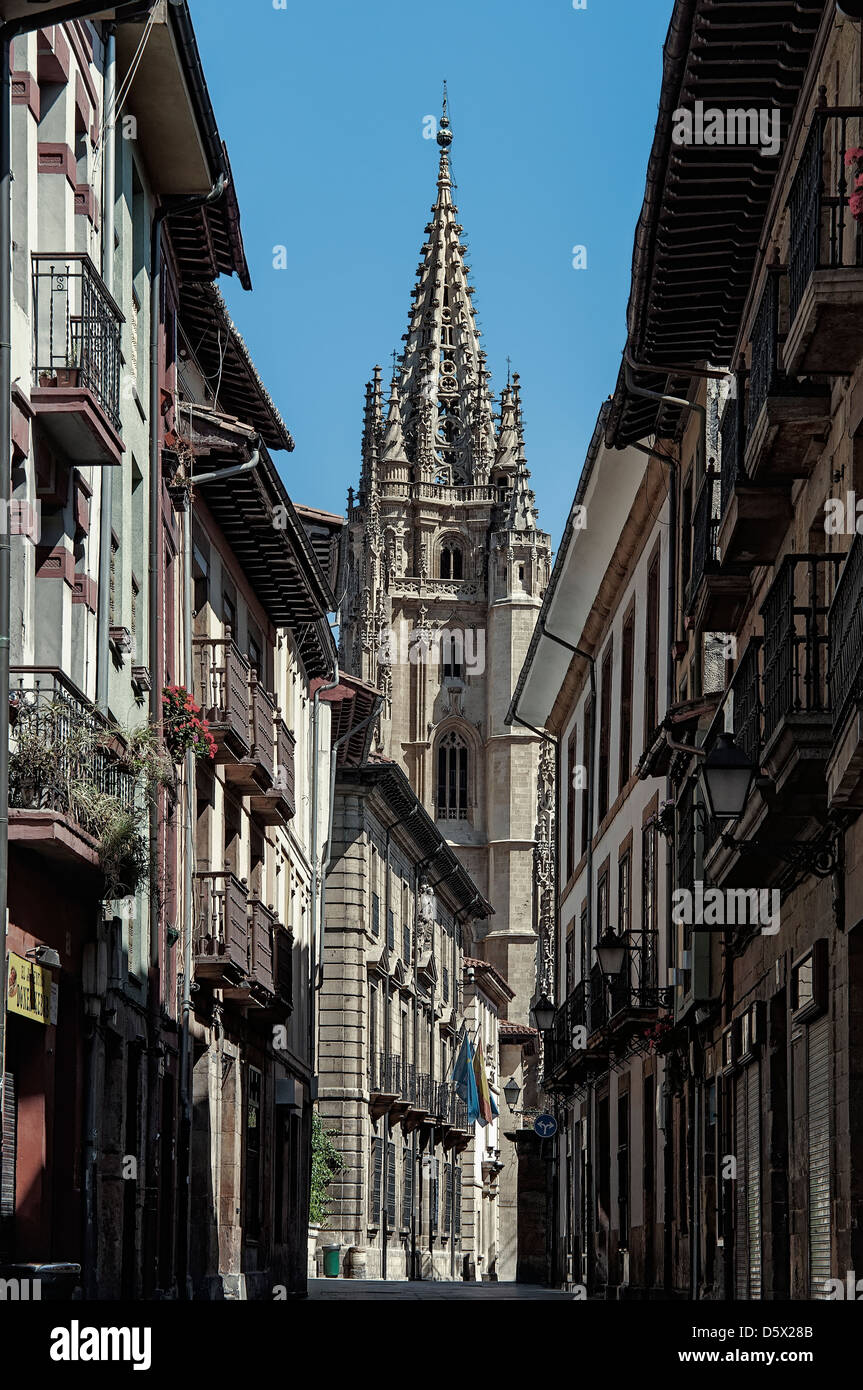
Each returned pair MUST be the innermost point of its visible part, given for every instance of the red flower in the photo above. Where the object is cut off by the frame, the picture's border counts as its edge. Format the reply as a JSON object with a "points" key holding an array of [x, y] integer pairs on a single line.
{"points": [[853, 156], [855, 203]]}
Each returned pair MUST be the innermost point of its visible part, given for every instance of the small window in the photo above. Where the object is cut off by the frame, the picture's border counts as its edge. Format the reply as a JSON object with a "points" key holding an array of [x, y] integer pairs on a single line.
{"points": [[451, 562], [452, 778]]}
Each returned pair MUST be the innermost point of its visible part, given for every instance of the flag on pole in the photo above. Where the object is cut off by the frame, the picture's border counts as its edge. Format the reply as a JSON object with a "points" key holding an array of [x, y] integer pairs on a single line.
{"points": [[464, 1079], [487, 1107]]}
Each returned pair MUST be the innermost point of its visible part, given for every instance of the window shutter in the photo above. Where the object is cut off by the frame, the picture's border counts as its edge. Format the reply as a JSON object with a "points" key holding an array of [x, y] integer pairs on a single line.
{"points": [[433, 1192], [447, 1200], [391, 930], [376, 1166], [457, 1199], [391, 1184], [376, 914], [407, 1188]]}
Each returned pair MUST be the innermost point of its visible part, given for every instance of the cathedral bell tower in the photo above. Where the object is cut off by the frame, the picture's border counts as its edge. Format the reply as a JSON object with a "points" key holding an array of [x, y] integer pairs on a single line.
{"points": [[444, 572]]}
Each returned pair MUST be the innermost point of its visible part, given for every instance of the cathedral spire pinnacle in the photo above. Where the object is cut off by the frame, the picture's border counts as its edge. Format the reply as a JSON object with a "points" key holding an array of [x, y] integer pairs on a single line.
{"points": [[393, 448]]}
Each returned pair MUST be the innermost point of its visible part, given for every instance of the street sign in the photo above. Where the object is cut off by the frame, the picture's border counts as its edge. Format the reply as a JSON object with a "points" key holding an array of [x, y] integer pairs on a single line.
{"points": [[545, 1126]]}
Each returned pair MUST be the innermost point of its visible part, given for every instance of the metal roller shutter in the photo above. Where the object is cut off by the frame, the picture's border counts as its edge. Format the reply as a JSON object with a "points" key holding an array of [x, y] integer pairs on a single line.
{"points": [[753, 1177], [747, 1190], [10, 1132], [818, 1086]]}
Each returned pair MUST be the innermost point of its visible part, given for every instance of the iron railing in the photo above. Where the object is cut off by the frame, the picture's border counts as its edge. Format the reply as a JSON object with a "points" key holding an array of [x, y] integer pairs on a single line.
{"points": [[385, 1074], [796, 638], [845, 628], [764, 372], [705, 530], [731, 431], [424, 1091], [76, 329], [57, 753], [822, 231]]}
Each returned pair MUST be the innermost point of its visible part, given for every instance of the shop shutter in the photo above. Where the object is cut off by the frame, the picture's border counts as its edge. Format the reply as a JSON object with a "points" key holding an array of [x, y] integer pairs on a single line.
{"points": [[818, 1086], [447, 1199], [747, 1190], [741, 1265], [433, 1195], [753, 1177], [10, 1134]]}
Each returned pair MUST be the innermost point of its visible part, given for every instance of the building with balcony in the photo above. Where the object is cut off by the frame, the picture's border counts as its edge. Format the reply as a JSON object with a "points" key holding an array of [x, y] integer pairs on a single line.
{"points": [[399, 906], [164, 932], [596, 680], [744, 366]]}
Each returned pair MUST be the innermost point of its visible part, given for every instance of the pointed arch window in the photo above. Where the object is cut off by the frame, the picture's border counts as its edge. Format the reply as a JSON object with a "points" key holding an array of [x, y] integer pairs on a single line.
{"points": [[452, 770], [451, 561]]}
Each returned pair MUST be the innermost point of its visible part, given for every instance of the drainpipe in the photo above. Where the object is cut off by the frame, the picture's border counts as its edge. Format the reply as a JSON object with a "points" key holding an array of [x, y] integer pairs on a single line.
{"points": [[103, 620], [189, 857], [26, 24], [557, 1266], [313, 944], [585, 945], [673, 483], [154, 616]]}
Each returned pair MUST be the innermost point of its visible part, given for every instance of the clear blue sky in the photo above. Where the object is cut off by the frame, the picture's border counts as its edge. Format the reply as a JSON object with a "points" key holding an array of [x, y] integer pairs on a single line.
{"points": [[322, 105]]}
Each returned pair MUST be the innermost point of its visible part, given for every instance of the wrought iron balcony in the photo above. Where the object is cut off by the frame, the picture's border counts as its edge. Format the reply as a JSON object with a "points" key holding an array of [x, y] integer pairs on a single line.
{"points": [[845, 677], [826, 253], [755, 515], [76, 357], [785, 417], [796, 639], [705, 534], [61, 754], [385, 1075], [221, 940]]}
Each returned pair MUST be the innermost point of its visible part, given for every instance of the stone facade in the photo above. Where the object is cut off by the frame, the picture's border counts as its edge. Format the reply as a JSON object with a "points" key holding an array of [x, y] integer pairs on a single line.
{"points": [[444, 571]]}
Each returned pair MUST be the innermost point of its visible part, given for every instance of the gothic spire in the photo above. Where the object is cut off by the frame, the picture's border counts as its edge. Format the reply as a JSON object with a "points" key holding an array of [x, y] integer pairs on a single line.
{"points": [[522, 514], [442, 372]]}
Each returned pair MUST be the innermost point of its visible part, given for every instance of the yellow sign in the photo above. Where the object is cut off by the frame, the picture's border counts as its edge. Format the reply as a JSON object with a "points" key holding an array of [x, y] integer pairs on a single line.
{"points": [[28, 989]]}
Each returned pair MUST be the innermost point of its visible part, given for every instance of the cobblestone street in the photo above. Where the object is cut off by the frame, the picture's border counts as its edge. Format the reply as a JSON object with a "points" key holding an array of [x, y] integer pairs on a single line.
{"points": [[393, 1288]]}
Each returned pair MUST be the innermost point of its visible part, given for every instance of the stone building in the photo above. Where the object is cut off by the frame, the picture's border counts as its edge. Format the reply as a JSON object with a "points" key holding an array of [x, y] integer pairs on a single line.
{"points": [[399, 908], [164, 925], [743, 369], [444, 570]]}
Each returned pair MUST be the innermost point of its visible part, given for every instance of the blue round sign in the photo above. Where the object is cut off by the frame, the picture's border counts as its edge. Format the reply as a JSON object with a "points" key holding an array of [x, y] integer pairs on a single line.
{"points": [[545, 1126]]}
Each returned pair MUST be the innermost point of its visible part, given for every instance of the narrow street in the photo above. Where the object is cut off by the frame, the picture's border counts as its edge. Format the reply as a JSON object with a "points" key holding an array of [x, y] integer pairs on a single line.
{"points": [[347, 1289]]}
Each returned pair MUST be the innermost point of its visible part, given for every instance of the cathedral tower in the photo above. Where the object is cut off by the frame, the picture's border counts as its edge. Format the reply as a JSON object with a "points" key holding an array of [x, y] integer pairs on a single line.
{"points": [[444, 572]]}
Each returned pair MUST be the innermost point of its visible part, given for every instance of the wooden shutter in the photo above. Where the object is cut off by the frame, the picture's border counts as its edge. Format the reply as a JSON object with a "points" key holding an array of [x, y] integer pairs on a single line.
{"points": [[391, 1184], [457, 1201], [407, 1188], [10, 1136], [818, 1087], [447, 1199], [376, 1166]]}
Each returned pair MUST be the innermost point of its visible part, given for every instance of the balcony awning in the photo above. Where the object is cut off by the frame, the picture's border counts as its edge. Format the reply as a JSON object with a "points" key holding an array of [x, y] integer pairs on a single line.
{"points": [[216, 345], [259, 522], [352, 702], [698, 235]]}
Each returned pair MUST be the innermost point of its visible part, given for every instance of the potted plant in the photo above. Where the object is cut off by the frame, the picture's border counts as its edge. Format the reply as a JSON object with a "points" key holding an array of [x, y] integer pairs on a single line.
{"points": [[326, 1163], [183, 726], [854, 160]]}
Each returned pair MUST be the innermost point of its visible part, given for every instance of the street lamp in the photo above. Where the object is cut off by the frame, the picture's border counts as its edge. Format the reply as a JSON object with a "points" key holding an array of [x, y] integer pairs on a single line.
{"points": [[611, 953], [543, 1013], [726, 776], [512, 1091]]}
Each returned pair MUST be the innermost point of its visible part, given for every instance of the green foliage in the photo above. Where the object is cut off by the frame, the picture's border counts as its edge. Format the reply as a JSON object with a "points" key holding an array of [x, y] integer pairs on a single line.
{"points": [[326, 1163], [104, 776]]}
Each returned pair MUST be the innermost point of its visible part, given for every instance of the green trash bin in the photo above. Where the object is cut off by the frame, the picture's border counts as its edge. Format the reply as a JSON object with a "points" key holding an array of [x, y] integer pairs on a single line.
{"points": [[331, 1261]]}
